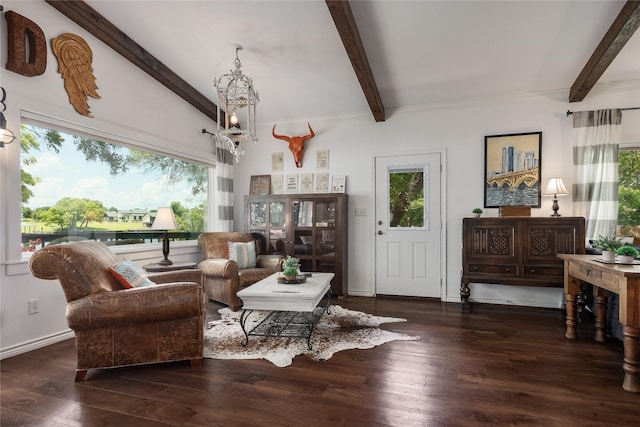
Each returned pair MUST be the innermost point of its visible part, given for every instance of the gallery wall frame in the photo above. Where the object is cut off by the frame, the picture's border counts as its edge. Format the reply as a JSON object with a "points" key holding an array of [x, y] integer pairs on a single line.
{"points": [[512, 170]]}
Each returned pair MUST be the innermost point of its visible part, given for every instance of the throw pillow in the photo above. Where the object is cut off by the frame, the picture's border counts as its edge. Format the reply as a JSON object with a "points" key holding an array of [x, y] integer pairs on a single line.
{"points": [[129, 274], [243, 253]]}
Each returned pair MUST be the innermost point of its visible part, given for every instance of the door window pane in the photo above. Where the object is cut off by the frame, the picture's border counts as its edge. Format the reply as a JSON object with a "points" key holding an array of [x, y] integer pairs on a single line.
{"points": [[406, 198]]}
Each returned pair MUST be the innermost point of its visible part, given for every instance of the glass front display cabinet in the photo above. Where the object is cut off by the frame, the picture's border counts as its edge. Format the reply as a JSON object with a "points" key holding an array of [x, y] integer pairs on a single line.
{"points": [[311, 227]]}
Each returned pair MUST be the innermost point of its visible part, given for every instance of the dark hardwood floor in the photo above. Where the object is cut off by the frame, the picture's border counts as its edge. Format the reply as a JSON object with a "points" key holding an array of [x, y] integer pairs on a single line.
{"points": [[497, 366]]}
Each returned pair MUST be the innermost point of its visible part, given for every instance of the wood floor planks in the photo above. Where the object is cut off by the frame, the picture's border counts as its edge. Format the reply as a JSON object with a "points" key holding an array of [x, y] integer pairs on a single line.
{"points": [[495, 366]]}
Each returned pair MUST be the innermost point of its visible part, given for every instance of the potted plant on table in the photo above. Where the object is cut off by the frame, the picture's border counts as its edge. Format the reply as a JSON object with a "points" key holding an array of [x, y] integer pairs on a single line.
{"points": [[608, 246], [477, 212], [290, 270], [626, 254]]}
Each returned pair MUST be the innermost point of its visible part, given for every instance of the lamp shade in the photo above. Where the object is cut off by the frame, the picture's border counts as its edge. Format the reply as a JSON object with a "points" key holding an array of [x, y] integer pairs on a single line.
{"points": [[165, 220], [556, 187]]}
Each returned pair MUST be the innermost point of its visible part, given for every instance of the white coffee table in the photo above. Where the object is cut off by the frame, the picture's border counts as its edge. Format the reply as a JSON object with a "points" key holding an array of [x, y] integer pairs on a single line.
{"points": [[294, 310]]}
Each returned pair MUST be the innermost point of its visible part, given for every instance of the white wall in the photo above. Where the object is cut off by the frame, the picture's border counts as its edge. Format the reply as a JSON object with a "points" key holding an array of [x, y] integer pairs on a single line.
{"points": [[145, 113], [460, 130]]}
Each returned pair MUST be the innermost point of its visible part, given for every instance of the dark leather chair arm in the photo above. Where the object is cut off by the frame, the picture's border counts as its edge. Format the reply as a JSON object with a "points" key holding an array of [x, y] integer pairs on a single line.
{"points": [[187, 275], [137, 305], [272, 262], [219, 267]]}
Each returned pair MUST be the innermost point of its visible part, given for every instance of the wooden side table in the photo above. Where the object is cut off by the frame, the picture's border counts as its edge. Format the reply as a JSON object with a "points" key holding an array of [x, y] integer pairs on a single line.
{"points": [[157, 268], [623, 280]]}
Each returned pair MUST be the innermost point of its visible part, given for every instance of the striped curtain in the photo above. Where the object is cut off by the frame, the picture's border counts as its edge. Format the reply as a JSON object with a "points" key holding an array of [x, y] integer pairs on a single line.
{"points": [[223, 188], [595, 165]]}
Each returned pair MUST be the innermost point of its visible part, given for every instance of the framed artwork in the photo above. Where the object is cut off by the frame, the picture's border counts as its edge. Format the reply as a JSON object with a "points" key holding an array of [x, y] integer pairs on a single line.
{"points": [[306, 183], [322, 159], [512, 170], [292, 183], [260, 184], [338, 184], [322, 182], [277, 185], [277, 162]]}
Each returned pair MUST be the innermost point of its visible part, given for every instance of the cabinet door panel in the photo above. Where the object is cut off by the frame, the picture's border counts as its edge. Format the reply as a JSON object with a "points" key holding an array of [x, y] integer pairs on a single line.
{"points": [[488, 241], [544, 241]]}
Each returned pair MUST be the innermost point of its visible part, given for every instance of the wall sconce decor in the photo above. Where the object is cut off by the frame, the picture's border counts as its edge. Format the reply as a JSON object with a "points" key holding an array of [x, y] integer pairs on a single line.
{"points": [[165, 220], [237, 95], [556, 188], [6, 135]]}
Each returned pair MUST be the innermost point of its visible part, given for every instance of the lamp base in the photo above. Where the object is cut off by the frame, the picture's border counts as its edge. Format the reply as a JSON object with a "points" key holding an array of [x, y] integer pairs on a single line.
{"points": [[555, 208], [165, 250]]}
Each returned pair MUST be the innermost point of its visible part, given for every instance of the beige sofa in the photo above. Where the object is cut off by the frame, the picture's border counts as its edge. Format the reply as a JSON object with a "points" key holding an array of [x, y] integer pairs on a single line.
{"points": [[222, 278]]}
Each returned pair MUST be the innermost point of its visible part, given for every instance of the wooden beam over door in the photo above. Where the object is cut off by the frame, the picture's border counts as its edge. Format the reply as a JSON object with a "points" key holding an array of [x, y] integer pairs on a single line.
{"points": [[89, 19], [623, 27], [345, 23]]}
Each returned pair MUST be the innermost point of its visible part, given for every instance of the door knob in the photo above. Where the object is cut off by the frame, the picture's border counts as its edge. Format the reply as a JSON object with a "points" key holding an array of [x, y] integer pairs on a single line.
{"points": [[379, 222], [379, 232]]}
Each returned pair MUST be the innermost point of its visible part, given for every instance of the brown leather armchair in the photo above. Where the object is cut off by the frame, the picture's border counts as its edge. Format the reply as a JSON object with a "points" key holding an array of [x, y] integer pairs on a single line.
{"points": [[117, 326], [221, 276]]}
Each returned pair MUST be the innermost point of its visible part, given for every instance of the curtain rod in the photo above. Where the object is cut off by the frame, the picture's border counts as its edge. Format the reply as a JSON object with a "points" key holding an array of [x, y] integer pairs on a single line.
{"points": [[569, 112]]}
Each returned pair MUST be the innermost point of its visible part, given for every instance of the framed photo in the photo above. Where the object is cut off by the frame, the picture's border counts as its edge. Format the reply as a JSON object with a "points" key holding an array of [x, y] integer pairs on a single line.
{"points": [[512, 170]]}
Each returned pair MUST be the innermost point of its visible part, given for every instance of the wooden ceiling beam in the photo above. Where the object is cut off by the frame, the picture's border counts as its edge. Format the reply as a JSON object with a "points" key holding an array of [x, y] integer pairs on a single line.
{"points": [[89, 19], [623, 27], [346, 25]]}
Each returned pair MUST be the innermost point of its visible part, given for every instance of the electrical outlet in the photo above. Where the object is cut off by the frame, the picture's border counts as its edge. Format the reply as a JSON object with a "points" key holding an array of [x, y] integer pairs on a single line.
{"points": [[34, 306]]}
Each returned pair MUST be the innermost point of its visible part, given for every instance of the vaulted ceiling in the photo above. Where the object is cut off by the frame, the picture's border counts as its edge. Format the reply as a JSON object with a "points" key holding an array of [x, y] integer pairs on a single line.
{"points": [[317, 59]]}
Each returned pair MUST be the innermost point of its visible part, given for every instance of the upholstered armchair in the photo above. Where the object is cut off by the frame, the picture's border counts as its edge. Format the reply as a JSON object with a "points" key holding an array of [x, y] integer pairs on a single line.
{"points": [[115, 325], [224, 277]]}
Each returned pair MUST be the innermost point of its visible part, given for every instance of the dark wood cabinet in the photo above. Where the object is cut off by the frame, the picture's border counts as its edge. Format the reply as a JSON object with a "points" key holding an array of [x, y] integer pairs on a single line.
{"points": [[518, 251], [311, 227]]}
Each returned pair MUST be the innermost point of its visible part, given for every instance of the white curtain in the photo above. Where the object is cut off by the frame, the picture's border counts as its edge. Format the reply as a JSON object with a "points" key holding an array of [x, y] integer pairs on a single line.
{"points": [[223, 188], [595, 165]]}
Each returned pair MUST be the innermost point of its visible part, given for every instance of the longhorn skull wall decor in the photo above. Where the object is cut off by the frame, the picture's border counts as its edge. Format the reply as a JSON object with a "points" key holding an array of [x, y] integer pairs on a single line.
{"points": [[296, 143]]}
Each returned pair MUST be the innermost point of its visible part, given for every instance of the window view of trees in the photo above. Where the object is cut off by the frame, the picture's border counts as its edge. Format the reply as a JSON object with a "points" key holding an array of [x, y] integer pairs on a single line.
{"points": [[75, 187], [629, 193], [406, 198]]}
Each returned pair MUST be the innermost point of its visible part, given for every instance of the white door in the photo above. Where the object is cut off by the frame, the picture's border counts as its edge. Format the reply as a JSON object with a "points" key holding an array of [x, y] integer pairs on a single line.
{"points": [[408, 225]]}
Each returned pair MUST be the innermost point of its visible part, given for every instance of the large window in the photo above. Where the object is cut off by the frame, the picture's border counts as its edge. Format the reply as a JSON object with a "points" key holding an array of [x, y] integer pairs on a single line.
{"points": [[629, 192], [76, 187]]}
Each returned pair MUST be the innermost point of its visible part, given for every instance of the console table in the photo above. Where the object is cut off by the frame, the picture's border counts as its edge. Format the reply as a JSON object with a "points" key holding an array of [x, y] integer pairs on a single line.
{"points": [[623, 280], [518, 251]]}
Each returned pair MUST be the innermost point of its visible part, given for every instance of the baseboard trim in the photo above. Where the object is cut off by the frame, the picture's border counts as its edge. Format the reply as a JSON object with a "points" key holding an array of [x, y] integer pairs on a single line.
{"points": [[523, 303], [35, 344]]}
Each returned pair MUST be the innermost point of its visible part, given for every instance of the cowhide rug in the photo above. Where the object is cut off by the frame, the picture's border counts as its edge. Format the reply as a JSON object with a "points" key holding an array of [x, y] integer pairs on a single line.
{"points": [[339, 329]]}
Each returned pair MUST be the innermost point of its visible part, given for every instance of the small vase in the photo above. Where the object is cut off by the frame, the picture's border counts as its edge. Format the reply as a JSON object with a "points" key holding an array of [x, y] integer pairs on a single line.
{"points": [[625, 259], [609, 256], [476, 215]]}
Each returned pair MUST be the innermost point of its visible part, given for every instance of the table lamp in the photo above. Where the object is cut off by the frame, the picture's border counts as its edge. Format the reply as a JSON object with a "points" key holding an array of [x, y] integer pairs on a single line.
{"points": [[165, 220], [555, 188]]}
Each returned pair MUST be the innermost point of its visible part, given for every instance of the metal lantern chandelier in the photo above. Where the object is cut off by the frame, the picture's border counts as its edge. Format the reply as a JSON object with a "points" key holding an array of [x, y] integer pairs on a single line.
{"points": [[238, 97]]}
